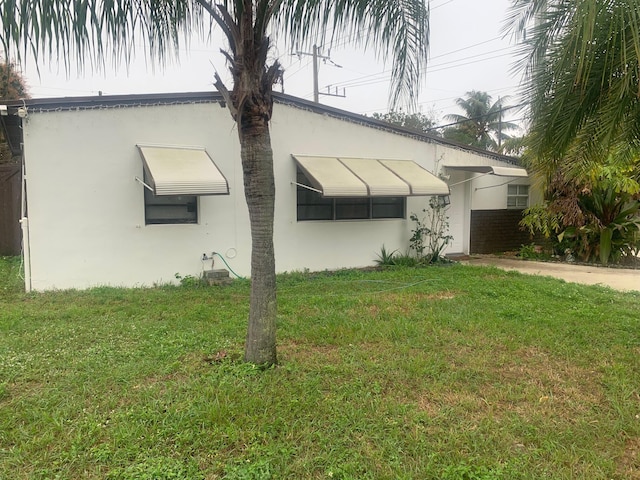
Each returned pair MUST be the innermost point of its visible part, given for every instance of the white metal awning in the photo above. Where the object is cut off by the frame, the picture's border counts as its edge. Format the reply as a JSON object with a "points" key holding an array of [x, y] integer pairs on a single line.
{"points": [[366, 177], [182, 171], [491, 170]]}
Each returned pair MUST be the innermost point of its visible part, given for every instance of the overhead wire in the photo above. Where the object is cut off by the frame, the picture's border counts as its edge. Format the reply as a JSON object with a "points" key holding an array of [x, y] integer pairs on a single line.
{"points": [[434, 100], [360, 81]]}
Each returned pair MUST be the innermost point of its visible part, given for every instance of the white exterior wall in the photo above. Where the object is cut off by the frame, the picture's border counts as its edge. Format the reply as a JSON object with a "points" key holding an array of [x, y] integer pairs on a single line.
{"points": [[486, 192], [86, 211]]}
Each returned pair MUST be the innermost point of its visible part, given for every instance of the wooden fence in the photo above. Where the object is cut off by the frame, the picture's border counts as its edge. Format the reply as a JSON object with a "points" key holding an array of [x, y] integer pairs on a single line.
{"points": [[10, 193]]}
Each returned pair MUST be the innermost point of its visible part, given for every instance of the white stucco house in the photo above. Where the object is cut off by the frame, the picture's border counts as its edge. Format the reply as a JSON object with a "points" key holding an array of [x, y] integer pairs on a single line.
{"points": [[132, 190]]}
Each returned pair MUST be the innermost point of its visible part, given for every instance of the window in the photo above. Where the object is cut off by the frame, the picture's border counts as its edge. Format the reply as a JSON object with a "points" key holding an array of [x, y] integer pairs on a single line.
{"points": [[313, 206], [518, 196], [169, 209]]}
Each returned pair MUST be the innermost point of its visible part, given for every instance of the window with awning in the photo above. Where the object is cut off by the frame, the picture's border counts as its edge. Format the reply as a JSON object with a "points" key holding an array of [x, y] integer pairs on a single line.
{"points": [[181, 171], [348, 188], [496, 170], [335, 177], [174, 178]]}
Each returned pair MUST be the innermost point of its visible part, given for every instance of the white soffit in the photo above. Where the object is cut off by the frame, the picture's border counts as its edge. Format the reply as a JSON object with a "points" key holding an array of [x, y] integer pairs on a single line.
{"points": [[420, 180], [492, 170], [366, 177], [182, 171]]}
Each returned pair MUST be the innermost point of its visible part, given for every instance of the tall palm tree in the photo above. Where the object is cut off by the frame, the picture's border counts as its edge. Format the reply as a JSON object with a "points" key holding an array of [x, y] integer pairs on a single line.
{"points": [[482, 123], [581, 64], [92, 30]]}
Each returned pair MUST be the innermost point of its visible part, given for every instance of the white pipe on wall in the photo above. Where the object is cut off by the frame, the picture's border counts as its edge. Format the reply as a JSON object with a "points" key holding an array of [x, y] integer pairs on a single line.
{"points": [[26, 253]]}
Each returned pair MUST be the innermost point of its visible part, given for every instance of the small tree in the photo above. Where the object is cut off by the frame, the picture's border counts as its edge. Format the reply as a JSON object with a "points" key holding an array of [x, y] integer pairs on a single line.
{"points": [[12, 84], [430, 233], [415, 121], [12, 87]]}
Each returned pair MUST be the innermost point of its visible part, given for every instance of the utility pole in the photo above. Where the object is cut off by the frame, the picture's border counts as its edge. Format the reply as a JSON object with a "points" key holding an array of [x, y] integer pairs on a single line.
{"points": [[316, 91], [316, 94], [499, 125]]}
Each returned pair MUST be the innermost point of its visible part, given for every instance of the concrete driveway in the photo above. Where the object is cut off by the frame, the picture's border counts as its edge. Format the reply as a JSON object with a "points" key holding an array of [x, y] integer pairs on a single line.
{"points": [[616, 278]]}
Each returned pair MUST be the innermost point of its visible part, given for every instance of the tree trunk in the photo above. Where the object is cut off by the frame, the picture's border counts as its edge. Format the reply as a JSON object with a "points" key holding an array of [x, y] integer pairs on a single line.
{"points": [[259, 187]]}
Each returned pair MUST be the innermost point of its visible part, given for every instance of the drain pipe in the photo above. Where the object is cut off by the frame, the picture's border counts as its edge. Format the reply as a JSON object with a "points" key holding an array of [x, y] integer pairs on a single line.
{"points": [[26, 253], [24, 223]]}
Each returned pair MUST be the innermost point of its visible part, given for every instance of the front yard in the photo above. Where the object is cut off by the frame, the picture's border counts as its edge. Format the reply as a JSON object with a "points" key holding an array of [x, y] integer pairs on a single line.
{"points": [[448, 373]]}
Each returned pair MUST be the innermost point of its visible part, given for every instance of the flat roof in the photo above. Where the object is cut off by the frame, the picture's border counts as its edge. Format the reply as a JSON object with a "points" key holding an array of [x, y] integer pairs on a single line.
{"points": [[140, 99]]}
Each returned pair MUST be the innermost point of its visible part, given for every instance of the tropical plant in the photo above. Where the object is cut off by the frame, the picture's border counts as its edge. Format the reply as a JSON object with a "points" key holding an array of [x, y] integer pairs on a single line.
{"points": [[481, 125], [397, 259], [581, 65], [598, 218], [385, 257], [93, 30]]}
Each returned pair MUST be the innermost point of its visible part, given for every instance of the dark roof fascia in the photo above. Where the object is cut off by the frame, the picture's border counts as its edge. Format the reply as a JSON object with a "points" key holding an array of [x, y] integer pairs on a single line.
{"points": [[106, 101], [113, 101]]}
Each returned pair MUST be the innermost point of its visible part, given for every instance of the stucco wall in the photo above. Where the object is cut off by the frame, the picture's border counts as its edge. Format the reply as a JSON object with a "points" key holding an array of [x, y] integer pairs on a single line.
{"points": [[86, 211]]}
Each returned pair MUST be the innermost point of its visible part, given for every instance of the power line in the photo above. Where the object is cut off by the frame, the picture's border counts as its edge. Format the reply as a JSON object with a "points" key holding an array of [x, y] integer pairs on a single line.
{"points": [[386, 78], [467, 47], [359, 81], [434, 100], [441, 5]]}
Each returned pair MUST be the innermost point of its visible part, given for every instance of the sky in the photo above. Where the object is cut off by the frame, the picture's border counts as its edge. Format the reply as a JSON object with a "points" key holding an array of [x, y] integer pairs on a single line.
{"points": [[468, 51]]}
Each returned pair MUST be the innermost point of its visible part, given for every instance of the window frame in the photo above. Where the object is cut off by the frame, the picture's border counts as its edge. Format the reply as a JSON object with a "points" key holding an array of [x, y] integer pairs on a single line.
{"points": [[336, 208], [518, 196], [178, 201]]}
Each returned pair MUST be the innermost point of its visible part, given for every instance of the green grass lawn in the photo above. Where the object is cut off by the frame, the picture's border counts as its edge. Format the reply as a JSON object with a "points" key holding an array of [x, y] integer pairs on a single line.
{"points": [[436, 373]]}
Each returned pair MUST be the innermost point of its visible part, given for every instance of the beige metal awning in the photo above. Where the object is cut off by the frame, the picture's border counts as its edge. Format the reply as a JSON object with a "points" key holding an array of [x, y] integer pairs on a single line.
{"points": [[366, 177], [491, 170], [182, 171]]}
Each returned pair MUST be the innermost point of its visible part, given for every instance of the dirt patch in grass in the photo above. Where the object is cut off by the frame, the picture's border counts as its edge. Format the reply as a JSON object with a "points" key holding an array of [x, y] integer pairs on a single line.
{"points": [[527, 382], [629, 463], [305, 352], [395, 297], [558, 381], [398, 303]]}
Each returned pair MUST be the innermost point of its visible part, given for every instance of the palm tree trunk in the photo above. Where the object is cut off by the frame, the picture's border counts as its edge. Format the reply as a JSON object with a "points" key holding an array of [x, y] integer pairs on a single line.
{"points": [[259, 188]]}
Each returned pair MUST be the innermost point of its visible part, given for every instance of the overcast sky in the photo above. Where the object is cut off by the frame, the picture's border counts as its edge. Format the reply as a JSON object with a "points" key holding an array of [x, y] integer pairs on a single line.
{"points": [[467, 52]]}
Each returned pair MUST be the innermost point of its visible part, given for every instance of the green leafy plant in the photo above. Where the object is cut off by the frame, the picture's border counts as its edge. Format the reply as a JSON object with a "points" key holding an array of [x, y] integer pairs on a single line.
{"points": [[597, 216], [611, 226], [397, 259], [471, 472], [248, 470], [191, 281], [157, 468], [429, 235], [540, 219], [385, 258], [527, 251]]}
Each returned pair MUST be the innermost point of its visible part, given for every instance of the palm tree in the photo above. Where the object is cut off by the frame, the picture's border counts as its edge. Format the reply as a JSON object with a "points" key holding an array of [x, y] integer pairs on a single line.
{"points": [[582, 69], [92, 30], [481, 125]]}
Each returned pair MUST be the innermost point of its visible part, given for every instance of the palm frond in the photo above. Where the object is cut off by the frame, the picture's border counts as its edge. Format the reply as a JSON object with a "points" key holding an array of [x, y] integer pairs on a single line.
{"points": [[582, 71], [88, 32]]}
